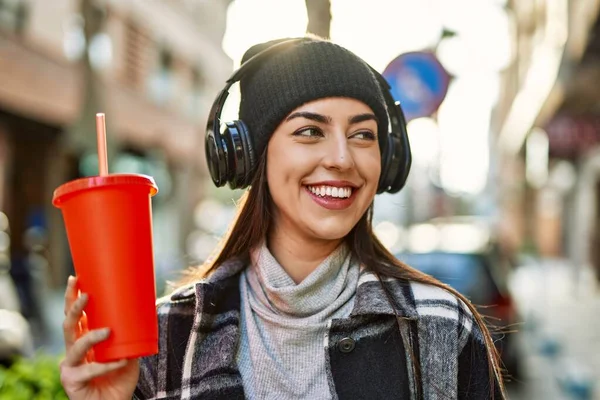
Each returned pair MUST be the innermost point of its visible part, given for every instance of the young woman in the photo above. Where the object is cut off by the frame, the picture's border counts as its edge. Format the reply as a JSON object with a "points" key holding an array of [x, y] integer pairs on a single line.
{"points": [[302, 301]]}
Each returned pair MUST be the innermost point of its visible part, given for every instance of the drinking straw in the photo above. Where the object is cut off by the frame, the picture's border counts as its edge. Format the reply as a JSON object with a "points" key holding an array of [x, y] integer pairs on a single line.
{"points": [[101, 137]]}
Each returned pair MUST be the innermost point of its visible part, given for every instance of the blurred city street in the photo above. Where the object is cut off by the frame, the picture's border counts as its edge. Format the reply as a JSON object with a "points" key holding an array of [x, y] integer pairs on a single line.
{"points": [[502, 111], [560, 336]]}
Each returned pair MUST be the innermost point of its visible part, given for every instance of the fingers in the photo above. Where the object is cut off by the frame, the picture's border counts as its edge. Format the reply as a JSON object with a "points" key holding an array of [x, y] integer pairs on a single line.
{"points": [[70, 293], [83, 329], [77, 376], [80, 348], [83, 322], [71, 323], [82, 326]]}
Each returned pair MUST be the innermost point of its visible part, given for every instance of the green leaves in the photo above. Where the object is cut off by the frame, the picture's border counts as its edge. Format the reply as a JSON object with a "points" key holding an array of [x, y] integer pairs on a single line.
{"points": [[32, 379]]}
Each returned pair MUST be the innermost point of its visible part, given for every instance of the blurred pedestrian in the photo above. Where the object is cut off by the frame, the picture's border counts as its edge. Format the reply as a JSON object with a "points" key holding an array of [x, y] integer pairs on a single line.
{"points": [[15, 332], [302, 300]]}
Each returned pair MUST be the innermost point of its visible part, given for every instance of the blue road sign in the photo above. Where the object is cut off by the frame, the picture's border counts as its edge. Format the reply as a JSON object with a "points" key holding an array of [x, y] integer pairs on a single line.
{"points": [[419, 82]]}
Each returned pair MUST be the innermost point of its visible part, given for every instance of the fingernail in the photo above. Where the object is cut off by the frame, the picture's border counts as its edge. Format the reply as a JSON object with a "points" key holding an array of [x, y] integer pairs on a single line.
{"points": [[104, 332], [70, 280], [83, 297]]}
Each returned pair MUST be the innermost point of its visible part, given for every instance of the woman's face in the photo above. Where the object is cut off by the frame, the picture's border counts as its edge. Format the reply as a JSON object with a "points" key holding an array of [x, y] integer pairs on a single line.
{"points": [[323, 167]]}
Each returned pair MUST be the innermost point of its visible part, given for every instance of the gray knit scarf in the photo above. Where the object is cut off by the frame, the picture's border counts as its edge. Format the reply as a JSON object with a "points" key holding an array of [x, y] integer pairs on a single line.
{"points": [[283, 324]]}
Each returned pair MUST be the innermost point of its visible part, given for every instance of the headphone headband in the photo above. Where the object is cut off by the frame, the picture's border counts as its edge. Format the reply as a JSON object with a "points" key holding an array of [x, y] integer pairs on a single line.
{"points": [[220, 149], [214, 117]]}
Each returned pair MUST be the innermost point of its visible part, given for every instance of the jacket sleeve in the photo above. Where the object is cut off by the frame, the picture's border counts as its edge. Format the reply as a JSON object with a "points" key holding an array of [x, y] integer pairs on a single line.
{"points": [[473, 370], [146, 386]]}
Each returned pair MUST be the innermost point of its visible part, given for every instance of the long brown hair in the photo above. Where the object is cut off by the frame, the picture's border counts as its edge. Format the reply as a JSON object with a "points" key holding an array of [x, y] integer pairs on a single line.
{"points": [[254, 219]]}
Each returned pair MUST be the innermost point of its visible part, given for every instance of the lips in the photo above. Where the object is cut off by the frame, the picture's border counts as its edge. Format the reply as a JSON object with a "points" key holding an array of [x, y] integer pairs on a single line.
{"points": [[332, 195], [331, 191]]}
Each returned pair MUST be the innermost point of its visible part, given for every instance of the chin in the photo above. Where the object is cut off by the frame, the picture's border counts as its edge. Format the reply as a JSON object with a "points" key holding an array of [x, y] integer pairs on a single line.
{"points": [[332, 231]]}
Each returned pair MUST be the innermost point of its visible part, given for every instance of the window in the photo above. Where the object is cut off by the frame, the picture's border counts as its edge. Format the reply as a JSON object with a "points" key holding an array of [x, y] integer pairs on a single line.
{"points": [[195, 102], [136, 52], [162, 80], [13, 15]]}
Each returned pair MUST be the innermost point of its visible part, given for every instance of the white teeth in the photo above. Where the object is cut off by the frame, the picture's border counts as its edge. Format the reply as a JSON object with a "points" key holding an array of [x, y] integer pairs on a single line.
{"points": [[331, 191]]}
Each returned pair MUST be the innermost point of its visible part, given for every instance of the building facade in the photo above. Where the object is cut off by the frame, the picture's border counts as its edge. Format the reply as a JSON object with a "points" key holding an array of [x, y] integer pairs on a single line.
{"points": [[546, 131], [153, 67]]}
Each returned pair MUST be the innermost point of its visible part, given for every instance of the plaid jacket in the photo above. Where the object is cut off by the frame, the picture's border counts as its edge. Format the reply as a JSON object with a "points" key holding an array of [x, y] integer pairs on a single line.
{"points": [[370, 354]]}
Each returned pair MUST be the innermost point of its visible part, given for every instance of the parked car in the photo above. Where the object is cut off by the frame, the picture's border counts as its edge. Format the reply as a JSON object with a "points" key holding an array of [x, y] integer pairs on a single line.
{"points": [[472, 267]]}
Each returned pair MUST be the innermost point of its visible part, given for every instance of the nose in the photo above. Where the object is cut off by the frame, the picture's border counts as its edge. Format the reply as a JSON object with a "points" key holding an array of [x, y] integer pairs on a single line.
{"points": [[339, 155]]}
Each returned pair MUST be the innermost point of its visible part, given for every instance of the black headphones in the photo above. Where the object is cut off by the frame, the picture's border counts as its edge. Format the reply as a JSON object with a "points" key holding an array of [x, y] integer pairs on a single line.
{"points": [[231, 158]]}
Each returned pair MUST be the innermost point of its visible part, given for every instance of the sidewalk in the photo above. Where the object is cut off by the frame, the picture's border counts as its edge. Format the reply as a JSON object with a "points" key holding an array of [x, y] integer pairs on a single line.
{"points": [[561, 332]]}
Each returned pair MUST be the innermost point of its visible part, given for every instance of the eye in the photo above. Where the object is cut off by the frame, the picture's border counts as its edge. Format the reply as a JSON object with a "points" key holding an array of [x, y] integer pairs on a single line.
{"points": [[364, 135], [310, 132]]}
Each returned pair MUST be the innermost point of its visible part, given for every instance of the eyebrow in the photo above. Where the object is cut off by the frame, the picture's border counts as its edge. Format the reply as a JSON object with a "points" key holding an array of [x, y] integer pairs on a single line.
{"points": [[312, 116], [362, 117], [327, 120]]}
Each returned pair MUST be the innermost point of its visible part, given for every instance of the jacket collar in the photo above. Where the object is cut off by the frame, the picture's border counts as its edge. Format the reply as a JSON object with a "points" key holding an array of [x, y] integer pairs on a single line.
{"points": [[370, 298], [230, 269]]}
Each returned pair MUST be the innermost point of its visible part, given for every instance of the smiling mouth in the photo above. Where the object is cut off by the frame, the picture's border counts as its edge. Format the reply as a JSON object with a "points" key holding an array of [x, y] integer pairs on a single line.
{"points": [[332, 197], [331, 191]]}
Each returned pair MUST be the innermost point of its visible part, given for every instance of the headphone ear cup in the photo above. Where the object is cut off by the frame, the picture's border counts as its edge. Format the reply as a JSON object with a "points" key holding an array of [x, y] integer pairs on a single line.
{"points": [[401, 176], [386, 154], [242, 154], [248, 154], [397, 158], [396, 162], [216, 157], [404, 159]]}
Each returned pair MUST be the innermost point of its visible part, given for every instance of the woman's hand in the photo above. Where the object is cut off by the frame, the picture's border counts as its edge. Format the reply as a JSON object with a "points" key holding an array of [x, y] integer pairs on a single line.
{"points": [[81, 377]]}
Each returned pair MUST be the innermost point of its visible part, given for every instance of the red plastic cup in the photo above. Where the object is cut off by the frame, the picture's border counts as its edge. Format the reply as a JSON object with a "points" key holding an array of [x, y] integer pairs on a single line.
{"points": [[108, 220]]}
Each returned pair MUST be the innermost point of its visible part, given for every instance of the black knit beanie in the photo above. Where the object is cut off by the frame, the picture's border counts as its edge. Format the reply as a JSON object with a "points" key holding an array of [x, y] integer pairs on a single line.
{"points": [[310, 70]]}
